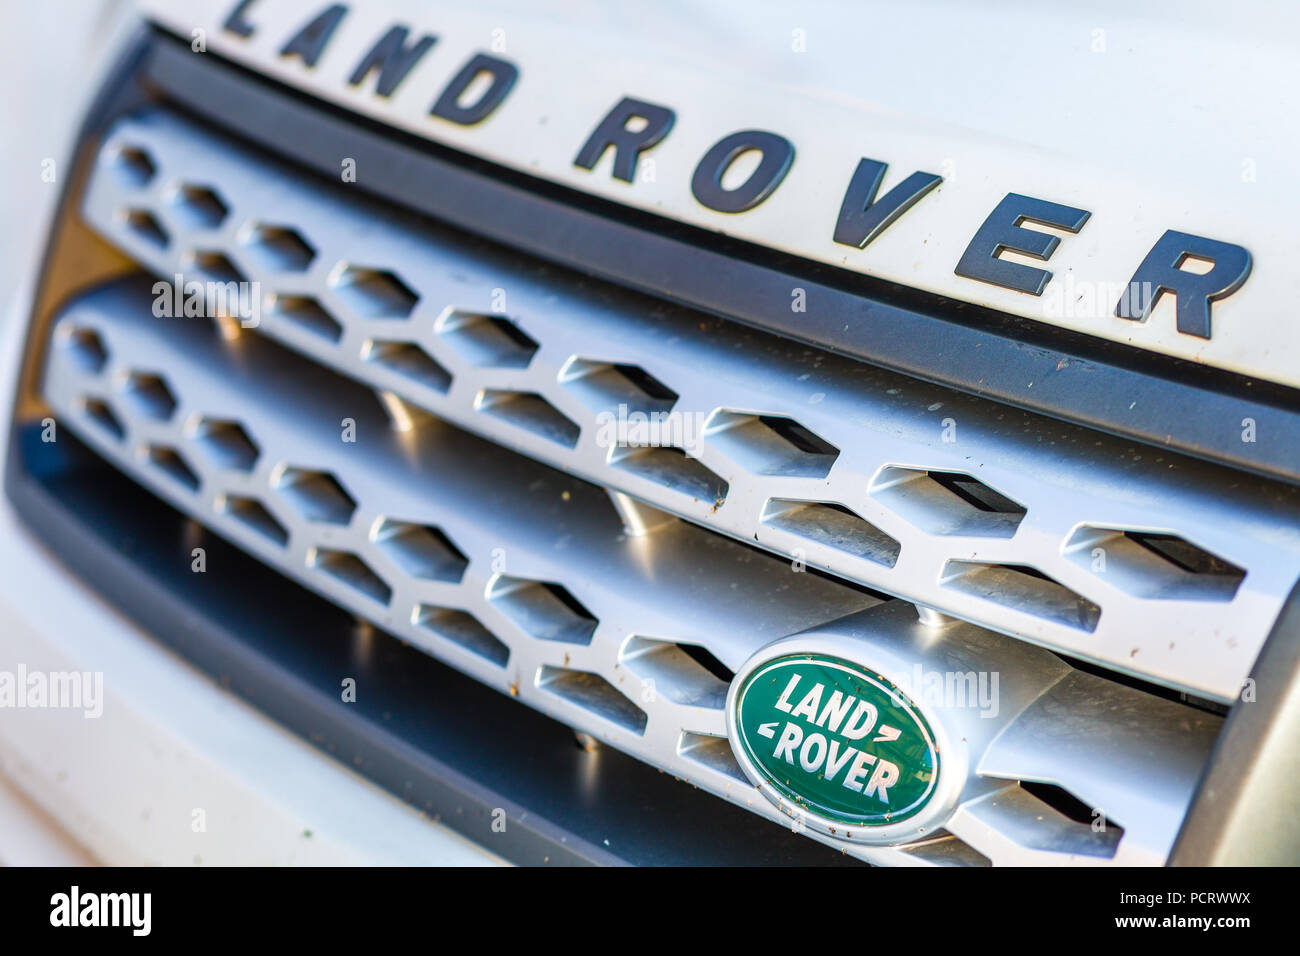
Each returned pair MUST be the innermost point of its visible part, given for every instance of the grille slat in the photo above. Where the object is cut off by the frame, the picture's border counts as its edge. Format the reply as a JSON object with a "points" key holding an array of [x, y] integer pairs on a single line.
{"points": [[423, 298], [524, 577]]}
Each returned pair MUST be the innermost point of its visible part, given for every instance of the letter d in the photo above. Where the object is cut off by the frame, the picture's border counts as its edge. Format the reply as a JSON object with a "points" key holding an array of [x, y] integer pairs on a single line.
{"points": [[861, 722]]}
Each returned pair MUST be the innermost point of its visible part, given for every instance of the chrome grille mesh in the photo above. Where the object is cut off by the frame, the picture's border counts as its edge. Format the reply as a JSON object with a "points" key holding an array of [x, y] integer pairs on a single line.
{"points": [[476, 550]]}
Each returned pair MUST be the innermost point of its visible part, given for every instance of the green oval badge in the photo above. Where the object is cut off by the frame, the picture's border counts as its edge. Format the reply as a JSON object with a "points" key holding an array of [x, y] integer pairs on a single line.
{"points": [[833, 738]]}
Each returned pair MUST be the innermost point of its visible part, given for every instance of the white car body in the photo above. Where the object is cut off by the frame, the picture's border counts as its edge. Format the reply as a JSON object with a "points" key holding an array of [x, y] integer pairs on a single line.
{"points": [[1150, 120]]}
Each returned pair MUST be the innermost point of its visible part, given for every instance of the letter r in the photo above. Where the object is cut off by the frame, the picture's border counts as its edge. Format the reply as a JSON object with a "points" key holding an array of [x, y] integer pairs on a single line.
{"points": [[791, 737], [1161, 271]]}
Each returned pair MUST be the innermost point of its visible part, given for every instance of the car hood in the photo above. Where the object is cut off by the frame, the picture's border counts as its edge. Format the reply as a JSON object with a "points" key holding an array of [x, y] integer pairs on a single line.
{"points": [[1148, 121]]}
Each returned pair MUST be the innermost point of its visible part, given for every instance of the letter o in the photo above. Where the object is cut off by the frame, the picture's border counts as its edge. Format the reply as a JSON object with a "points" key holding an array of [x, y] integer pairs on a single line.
{"points": [[706, 184], [806, 760]]}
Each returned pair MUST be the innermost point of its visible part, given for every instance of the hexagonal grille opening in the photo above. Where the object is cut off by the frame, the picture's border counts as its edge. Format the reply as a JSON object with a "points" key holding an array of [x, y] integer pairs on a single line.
{"points": [[374, 293], [487, 340], [462, 629], [150, 396], [684, 673], [278, 248], [712, 752], [530, 412], [98, 412], [947, 502], [170, 463], [349, 569], [410, 361], [542, 609], [835, 526], [226, 443], [316, 495], [1184, 555], [1069, 806], [134, 166], [87, 351], [198, 207], [771, 444], [143, 223], [214, 266], [1055, 820], [251, 513], [1023, 589], [944, 849], [605, 386], [306, 313], [1154, 566], [420, 551], [593, 694], [671, 468]]}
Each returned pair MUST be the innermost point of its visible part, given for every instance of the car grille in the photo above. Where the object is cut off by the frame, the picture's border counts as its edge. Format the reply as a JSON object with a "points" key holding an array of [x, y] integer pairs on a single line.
{"points": [[450, 440]]}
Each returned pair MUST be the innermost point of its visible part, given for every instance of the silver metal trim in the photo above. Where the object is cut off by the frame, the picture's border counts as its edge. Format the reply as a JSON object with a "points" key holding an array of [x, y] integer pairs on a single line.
{"points": [[441, 348], [446, 541]]}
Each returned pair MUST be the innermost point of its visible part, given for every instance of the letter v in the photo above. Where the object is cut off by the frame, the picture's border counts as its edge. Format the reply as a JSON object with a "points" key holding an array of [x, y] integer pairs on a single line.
{"points": [[862, 216], [835, 764]]}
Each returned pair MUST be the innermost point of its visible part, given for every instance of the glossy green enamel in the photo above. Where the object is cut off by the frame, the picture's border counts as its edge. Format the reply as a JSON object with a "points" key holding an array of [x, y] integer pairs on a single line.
{"points": [[836, 740]]}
